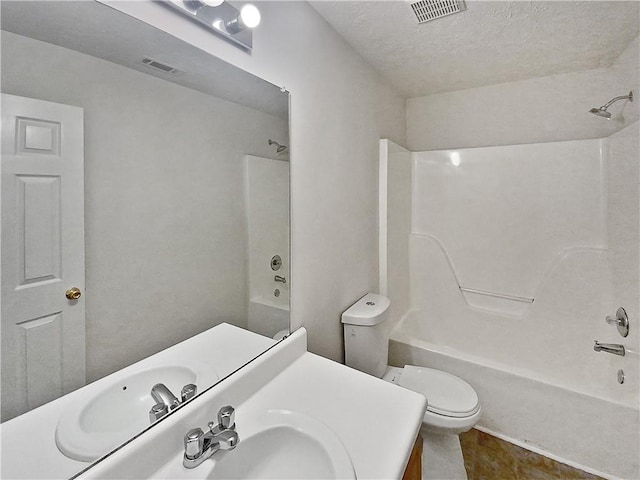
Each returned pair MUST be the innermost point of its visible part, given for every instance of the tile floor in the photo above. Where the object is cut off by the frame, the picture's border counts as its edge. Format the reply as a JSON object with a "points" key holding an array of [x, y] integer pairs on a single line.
{"points": [[489, 458]]}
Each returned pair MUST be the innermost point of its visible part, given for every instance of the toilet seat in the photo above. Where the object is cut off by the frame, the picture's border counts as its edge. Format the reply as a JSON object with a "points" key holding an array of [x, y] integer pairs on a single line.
{"points": [[446, 394]]}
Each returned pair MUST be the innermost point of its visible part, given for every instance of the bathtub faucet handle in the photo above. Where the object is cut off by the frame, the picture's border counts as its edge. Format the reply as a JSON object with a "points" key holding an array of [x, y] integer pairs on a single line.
{"points": [[620, 320]]}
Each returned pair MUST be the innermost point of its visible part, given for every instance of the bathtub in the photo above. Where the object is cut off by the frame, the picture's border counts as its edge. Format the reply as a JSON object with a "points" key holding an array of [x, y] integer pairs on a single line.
{"points": [[593, 434], [268, 316]]}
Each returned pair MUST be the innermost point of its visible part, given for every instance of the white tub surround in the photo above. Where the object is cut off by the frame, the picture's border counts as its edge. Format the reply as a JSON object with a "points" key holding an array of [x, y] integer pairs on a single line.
{"points": [[353, 405], [213, 355], [505, 270], [516, 254]]}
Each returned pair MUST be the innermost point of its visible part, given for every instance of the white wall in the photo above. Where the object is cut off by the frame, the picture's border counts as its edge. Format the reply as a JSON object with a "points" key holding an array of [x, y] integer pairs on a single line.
{"points": [[162, 263], [340, 107], [545, 109]]}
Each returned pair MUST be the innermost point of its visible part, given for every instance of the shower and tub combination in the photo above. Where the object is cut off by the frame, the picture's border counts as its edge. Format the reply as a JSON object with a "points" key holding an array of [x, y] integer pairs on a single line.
{"points": [[268, 242], [503, 265]]}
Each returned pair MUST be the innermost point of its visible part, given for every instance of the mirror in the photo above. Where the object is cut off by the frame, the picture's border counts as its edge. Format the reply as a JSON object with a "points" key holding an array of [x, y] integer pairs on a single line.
{"points": [[184, 208]]}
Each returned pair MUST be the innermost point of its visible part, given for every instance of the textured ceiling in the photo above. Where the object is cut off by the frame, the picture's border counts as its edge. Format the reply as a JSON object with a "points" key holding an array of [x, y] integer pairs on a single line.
{"points": [[491, 42]]}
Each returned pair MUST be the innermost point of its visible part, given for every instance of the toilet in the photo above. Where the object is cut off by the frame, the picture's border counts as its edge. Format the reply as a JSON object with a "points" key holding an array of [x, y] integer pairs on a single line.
{"points": [[281, 334], [452, 404]]}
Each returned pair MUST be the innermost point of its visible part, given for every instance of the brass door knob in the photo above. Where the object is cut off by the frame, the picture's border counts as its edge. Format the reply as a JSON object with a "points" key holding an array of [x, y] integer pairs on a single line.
{"points": [[73, 293]]}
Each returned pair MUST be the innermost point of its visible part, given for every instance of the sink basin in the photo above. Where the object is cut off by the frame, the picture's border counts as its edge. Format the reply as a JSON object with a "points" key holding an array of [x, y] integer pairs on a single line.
{"points": [[276, 444], [112, 415]]}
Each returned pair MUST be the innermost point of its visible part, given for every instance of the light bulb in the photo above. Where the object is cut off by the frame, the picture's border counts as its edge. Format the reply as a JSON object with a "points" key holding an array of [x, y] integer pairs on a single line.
{"points": [[250, 15]]}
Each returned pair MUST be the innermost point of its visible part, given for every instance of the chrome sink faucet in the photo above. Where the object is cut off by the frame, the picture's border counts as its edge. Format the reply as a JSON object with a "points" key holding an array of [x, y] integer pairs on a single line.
{"points": [[167, 401], [199, 446]]}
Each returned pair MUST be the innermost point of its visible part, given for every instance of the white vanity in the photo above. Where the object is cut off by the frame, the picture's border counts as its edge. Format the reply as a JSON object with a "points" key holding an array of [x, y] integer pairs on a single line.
{"points": [[297, 415], [314, 417]]}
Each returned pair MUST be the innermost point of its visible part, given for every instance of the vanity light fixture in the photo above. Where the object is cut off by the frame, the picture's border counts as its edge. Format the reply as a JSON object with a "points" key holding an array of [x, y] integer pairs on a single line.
{"points": [[222, 18], [212, 3], [249, 17], [196, 4]]}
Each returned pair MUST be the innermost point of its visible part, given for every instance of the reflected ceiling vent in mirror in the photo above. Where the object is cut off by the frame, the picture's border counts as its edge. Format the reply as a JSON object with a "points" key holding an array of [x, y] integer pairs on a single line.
{"points": [[427, 10], [159, 66], [222, 18]]}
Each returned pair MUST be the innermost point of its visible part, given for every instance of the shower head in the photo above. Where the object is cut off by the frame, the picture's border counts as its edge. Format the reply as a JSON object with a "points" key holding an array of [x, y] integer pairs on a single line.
{"points": [[279, 148], [602, 111]]}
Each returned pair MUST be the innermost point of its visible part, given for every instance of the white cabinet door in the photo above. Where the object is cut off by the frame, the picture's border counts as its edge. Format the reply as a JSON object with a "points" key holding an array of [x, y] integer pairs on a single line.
{"points": [[42, 252]]}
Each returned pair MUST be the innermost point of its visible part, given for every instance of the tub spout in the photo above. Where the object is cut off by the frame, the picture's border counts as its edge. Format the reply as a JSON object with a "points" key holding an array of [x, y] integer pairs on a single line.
{"points": [[614, 348]]}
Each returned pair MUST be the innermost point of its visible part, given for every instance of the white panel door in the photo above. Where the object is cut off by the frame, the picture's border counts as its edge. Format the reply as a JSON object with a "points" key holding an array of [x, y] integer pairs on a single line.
{"points": [[42, 252]]}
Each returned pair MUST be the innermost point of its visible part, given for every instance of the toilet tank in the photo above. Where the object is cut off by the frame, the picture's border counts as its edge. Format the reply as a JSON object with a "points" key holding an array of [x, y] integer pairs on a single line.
{"points": [[366, 345]]}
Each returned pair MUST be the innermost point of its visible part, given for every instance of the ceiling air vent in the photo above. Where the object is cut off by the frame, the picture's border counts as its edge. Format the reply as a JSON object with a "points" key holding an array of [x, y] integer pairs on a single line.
{"points": [[163, 67], [427, 10]]}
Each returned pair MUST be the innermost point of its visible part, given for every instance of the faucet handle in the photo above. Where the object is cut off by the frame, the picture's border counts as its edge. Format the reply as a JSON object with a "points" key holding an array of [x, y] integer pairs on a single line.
{"points": [[227, 439], [226, 418], [188, 391], [193, 443], [620, 320], [158, 411]]}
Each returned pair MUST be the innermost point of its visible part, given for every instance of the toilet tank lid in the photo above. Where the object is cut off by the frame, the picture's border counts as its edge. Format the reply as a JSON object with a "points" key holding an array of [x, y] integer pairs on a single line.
{"points": [[370, 310]]}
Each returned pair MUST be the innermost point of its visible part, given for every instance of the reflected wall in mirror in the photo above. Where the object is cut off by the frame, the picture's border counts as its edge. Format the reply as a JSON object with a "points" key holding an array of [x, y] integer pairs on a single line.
{"points": [[185, 199]]}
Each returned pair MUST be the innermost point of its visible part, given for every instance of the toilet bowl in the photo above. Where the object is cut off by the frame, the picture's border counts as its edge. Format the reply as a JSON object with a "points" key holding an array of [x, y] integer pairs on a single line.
{"points": [[453, 406], [281, 334]]}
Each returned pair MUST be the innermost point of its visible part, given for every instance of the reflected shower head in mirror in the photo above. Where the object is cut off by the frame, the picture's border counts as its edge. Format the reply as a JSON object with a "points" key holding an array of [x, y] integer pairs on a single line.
{"points": [[279, 148], [602, 111]]}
